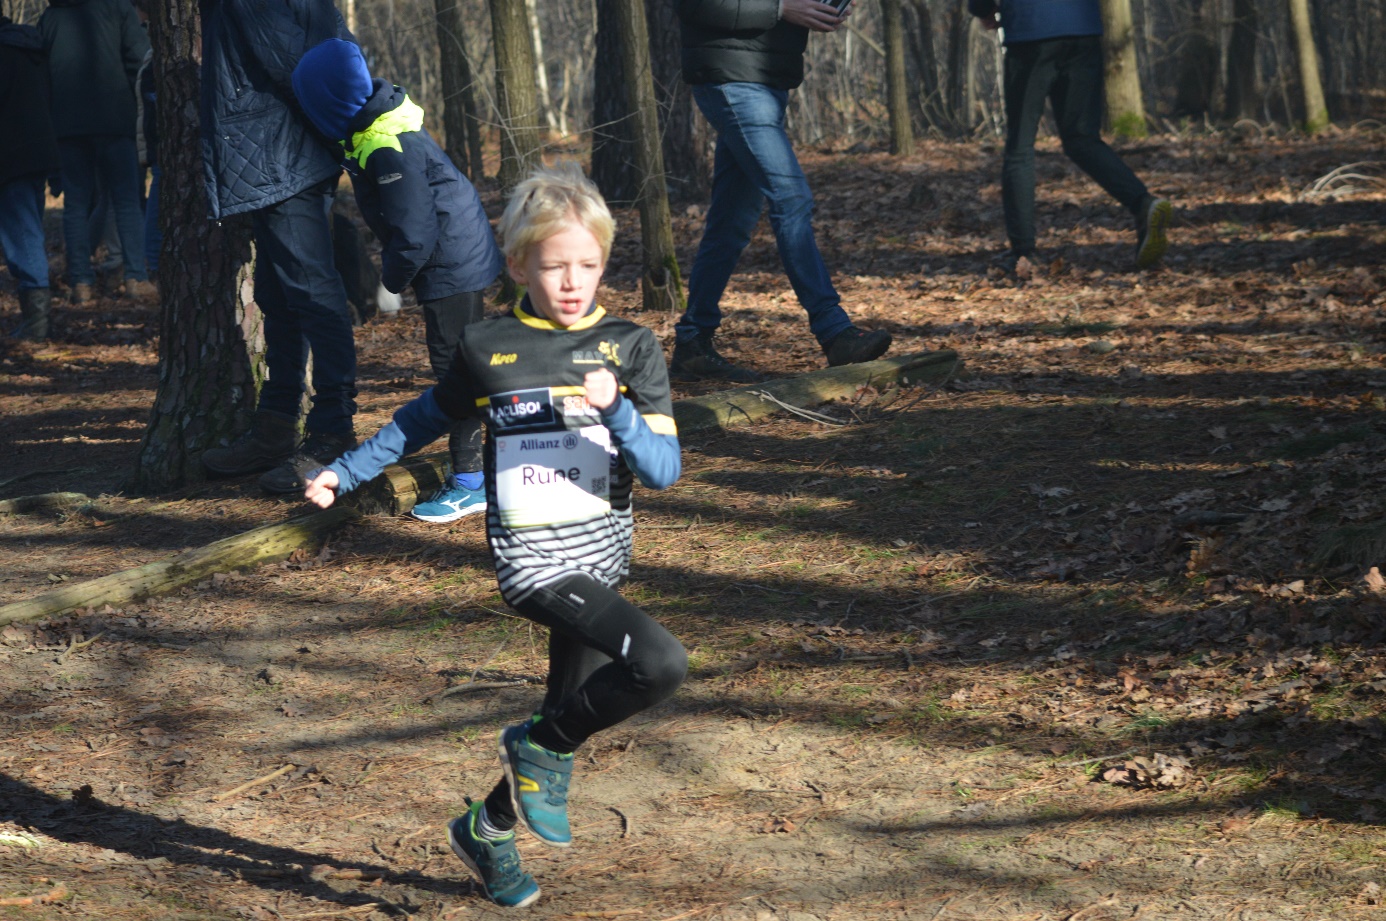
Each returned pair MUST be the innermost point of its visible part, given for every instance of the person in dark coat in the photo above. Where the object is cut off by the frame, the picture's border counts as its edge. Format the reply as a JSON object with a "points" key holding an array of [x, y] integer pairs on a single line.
{"points": [[94, 52], [742, 57], [1053, 50], [261, 156], [24, 167], [433, 232]]}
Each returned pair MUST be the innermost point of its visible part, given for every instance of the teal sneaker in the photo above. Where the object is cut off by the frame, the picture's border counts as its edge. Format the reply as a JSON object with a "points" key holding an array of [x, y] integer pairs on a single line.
{"points": [[451, 503], [495, 863], [538, 785]]}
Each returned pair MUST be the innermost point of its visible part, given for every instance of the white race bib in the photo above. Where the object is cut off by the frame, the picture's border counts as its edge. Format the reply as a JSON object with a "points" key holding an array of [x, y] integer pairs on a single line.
{"points": [[547, 478]]}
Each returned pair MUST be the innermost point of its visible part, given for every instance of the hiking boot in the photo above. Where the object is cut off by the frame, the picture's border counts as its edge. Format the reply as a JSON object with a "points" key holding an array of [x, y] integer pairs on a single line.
{"points": [[317, 451], [1151, 225], [853, 346], [34, 305], [141, 289], [495, 863], [451, 503], [538, 784], [82, 293], [697, 359], [269, 440]]}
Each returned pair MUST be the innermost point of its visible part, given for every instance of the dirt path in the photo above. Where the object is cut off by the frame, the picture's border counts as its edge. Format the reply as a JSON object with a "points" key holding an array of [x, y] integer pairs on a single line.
{"points": [[936, 648]]}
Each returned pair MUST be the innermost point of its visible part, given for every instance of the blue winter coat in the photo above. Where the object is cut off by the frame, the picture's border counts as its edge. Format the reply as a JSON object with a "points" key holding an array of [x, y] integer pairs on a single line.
{"points": [[433, 231], [257, 147], [1036, 20]]}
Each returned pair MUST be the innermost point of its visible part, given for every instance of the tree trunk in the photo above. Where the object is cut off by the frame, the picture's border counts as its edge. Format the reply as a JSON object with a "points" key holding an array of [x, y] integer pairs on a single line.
{"points": [[961, 83], [1196, 73], [661, 284], [897, 91], [1241, 62], [686, 135], [1315, 110], [517, 99], [541, 73], [460, 123], [1125, 107], [211, 344], [613, 156]]}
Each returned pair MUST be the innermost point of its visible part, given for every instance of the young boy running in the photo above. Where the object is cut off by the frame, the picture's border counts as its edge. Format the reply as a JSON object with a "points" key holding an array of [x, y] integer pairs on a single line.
{"points": [[433, 231], [576, 401]]}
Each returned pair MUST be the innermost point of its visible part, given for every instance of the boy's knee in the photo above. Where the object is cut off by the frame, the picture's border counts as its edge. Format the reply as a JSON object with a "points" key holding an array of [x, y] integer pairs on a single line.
{"points": [[667, 672]]}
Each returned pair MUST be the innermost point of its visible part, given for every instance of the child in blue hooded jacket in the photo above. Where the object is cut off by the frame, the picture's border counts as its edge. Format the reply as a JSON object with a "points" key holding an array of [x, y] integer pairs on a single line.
{"points": [[433, 230]]}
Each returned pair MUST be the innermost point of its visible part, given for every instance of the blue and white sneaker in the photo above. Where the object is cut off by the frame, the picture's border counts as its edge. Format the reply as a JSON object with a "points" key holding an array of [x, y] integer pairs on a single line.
{"points": [[451, 503], [495, 863], [538, 785]]}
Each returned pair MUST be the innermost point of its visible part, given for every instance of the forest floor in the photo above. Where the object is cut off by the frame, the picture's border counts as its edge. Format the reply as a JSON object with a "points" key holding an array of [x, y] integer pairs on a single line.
{"points": [[1091, 633]]}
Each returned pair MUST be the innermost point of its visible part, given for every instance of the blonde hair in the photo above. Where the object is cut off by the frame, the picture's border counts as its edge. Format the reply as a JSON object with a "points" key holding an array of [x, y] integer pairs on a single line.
{"points": [[548, 201]]}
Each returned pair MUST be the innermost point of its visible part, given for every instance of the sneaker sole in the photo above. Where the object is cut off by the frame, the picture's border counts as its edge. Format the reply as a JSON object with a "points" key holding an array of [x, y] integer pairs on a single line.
{"points": [[1156, 239], [449, 516], [466, 858], [513, 780]]}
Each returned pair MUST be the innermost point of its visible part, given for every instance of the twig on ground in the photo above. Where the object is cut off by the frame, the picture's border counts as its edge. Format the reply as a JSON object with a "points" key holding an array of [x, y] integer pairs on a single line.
{"points": [[56, 894], [796, 410], [625, 821], [1126, 754], [1087, 908], [254, 783], [466, 686], [74, 646]]}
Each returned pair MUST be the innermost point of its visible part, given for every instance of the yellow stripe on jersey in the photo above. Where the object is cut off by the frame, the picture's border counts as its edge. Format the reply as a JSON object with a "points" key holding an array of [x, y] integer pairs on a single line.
{"points": [[544, 323], [660, 424]]}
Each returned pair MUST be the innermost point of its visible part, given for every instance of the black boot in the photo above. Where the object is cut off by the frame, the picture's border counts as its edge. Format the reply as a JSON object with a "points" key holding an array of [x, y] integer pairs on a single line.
{"points": [[853, 346], [270, 439], [34, 305], [318, 450], [697, 359]]}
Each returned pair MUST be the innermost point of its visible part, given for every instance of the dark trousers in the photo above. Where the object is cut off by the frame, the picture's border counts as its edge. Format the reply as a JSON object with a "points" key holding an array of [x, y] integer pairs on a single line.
{"points": [[608, 660], [304, 305], [444, 320], [112, 163], [1067, 72]]}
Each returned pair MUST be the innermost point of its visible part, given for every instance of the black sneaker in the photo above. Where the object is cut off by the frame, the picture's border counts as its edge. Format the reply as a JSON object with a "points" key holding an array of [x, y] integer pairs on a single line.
{"points": [[318, 450], [1151, 225], [853, 346], [698, 360], [269, 441]]}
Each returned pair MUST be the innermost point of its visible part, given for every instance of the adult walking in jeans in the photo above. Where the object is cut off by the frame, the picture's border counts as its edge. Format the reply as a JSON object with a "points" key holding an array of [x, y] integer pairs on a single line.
{"points": [[94, 52], [261, 155], [742, 57], [24, 167], [1053, 50]]}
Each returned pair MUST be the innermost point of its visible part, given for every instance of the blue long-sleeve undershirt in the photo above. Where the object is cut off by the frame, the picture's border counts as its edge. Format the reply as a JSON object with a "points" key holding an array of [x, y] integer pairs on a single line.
{"points": [[655, 459]]}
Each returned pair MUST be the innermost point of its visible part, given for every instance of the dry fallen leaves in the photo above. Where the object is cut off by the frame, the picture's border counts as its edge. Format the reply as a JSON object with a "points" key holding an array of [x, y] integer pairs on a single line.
{"points": [[1159, 772]]}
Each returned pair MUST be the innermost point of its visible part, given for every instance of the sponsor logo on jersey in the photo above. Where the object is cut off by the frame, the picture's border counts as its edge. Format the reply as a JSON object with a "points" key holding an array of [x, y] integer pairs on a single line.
{"points": [[606, 352], [612, 352], [521, 409], [577, 406], [498, 358]]}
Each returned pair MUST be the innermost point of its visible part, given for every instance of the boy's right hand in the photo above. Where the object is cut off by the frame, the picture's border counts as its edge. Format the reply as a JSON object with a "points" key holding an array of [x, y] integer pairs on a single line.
{"points": [[321, 489]]}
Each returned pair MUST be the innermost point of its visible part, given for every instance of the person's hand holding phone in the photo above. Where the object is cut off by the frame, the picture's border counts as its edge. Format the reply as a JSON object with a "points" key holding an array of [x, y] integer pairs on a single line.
{"points": [[814, 15]]}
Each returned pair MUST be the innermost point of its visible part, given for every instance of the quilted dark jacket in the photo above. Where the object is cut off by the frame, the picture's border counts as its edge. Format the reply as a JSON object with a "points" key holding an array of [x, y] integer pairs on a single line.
{"points": [[24, 104], [94, 51], [258, 149], [433, 231], [741, 41], [1038, 20]]}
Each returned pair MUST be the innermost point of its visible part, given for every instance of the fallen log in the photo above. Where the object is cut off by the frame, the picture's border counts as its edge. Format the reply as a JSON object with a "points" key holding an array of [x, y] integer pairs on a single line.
{"points": [[47, 500], [402, 485], [268, 544]]}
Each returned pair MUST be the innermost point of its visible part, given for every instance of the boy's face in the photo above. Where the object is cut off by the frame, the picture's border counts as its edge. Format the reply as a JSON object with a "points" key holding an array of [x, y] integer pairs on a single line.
{"points": [[561, 274]]}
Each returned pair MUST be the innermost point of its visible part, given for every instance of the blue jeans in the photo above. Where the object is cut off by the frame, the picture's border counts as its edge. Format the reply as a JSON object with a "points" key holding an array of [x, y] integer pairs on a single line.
{"points": [[21, 230], [755, 163], [304, 305], [115, 160], [153, 233]]}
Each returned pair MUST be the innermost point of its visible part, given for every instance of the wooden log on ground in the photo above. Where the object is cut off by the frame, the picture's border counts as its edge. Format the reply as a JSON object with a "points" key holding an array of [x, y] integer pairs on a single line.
{"points": [[757, 401], [268, 544], [402, 485], [48, 500]]}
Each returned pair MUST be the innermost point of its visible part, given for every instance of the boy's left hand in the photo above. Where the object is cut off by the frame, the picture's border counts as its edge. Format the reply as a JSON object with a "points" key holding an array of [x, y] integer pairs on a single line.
{"points": [[602, 388]]}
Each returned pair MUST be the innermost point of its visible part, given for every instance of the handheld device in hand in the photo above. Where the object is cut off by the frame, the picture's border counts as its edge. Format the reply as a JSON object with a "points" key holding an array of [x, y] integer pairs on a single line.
{"points": [[839, 6]]}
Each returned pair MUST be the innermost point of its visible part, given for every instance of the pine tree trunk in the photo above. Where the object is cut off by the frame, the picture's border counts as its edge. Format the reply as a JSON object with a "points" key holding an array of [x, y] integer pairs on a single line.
{"points": [[211, 345], [460, 124], [1311, 85], [1241, 61], [661, 284], [517, 98], [686, 134], [613, 156], [897, 87], [959, 70], [1125, 107]]}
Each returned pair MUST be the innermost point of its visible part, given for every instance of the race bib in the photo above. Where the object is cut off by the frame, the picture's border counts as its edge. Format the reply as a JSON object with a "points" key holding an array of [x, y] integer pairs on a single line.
{"points": [[548, 478]]}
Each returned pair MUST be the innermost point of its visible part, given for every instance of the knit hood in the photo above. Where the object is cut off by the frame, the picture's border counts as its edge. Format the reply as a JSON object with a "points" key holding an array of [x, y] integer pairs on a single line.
{"points": [[333, 83]]}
